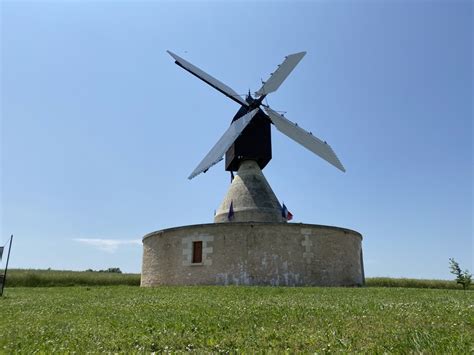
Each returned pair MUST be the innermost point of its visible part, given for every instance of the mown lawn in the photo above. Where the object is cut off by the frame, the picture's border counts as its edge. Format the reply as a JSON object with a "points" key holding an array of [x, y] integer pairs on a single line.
{"points": [[126, 318]]}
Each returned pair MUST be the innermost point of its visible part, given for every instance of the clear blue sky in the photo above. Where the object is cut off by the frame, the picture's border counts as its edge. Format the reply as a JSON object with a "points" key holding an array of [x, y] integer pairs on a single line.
{"points": [[99, 129]]}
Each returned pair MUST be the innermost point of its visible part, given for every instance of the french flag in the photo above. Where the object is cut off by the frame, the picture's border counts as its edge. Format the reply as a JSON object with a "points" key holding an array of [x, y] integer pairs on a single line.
{"points": [[285, 213]]}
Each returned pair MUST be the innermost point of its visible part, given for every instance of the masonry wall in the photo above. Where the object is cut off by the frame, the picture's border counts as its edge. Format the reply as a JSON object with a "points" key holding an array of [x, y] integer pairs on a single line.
{"points": [[251, 253]]}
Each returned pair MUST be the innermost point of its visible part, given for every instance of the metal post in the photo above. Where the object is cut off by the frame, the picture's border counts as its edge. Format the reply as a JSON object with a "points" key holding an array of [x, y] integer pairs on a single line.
{"points": [[6, 266]]}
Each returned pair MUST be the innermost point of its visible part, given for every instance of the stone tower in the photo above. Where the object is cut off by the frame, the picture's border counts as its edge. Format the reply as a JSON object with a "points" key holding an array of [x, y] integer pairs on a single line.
{"points": [[252, 198]]}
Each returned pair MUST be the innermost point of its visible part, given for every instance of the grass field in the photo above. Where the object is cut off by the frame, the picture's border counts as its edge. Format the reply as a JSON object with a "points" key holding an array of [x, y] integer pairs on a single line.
{"points": [[126, 319], [50, 278]]}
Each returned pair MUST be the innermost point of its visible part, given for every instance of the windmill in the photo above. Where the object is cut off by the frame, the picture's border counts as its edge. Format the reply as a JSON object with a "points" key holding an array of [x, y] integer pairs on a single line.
{"points": [[250, 241], [249, 135]]}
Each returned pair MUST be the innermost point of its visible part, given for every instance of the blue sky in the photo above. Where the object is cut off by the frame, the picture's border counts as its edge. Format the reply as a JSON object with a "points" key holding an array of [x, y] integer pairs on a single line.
{"points": [[99, 129]]}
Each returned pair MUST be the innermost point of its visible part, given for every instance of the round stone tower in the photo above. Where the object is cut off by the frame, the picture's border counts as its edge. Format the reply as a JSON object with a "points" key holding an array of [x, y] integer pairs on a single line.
{"points": [[253, 245]]}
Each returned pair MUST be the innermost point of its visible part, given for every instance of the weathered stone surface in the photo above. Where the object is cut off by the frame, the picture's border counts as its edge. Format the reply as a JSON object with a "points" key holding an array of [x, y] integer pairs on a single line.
{"points": [[248, 253], [253, 200]]}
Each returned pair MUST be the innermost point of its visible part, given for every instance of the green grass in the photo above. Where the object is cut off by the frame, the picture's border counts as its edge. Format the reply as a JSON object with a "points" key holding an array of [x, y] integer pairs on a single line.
{"points": [[49, 278], [412, 283], [127, 319]]}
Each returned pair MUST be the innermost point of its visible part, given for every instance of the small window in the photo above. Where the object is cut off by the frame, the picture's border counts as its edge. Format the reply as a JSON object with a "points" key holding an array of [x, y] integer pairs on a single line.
{"points": [[197, 252]]}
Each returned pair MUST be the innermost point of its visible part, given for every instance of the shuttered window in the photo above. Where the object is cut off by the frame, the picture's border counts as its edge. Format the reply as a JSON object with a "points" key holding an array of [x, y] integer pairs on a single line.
{"points": [[197, 252]]}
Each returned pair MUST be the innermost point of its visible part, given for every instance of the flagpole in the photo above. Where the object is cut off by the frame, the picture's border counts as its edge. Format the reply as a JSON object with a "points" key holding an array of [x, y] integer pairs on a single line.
{"points": [[6, 266]]}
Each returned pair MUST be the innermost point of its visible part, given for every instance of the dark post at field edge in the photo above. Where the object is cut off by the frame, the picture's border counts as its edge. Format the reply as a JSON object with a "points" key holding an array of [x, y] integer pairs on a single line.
{"points": [[6, 266]]}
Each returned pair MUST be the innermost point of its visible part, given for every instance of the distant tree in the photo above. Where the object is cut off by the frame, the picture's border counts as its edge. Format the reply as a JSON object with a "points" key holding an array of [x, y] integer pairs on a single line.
{"points": [[114, 270], [462, 277]]}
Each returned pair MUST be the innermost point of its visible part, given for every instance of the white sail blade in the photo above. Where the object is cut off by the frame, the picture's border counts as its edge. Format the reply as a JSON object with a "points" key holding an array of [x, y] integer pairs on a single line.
{"points": [[284, 69], [216, 84], [217, 152], [306, 139]]}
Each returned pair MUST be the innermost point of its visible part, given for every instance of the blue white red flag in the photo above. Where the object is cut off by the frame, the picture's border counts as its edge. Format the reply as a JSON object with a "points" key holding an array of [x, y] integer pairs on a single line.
{"points": [[286, 214]]}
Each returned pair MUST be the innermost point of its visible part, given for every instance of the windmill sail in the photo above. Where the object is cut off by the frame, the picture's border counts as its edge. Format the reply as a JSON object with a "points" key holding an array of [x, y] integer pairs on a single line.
{"points": [[217, 152], [304, 138], [216, 84], [277, 78], [247, 147]]}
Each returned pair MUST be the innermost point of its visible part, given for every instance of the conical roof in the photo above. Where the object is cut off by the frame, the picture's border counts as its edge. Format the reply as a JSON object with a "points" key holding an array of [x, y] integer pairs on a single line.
{"points": [[252, 198]]}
